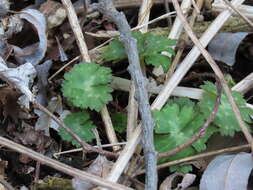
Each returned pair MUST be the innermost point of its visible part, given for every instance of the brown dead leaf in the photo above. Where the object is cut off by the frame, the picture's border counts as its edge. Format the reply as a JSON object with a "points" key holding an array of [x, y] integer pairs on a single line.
{"points": [[32, 137], [54, 12], [100, 167], [8, 102]]}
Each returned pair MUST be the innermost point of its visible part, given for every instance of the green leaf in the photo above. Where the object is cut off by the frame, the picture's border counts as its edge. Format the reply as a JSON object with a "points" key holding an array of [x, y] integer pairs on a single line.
{"points": [[176, 123], [156, 44], [157, 60], [225, 119], [80, 124], [119, 121], [149, 46], [115, 51], [173, 118], [179, 168], [87, 86]]}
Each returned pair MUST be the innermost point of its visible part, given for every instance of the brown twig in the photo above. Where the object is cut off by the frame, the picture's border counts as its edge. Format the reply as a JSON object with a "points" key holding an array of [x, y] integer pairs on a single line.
{"points": [[87, 147], [203, 129], [199, 156], [130, 44], [60, 166], [216, 70]]}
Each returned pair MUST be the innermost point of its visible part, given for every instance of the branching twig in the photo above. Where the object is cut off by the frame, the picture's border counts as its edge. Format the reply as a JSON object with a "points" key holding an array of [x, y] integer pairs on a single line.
{"points": [[107, 8], [203, 129], [60, 166], [87, 147], [217, 71]]}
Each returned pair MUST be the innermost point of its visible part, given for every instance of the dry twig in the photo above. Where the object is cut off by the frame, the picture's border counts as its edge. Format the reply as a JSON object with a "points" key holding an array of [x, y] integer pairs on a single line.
{"points": [[60, 166], [107, 8], [199, 156]]}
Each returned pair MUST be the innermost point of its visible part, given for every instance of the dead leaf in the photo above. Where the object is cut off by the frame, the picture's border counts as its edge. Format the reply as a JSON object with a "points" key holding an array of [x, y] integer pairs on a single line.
{"points": [[44, 121], [223, 47], [35, 52], [31, 137], [172, 180], [228, 172], [21, 77], [54, 13], [10, 25], [42, 84], [100, 167], [8, 101]]}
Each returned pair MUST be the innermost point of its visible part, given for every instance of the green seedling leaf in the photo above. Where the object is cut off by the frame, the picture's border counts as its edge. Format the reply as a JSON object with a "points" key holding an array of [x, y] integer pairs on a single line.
{"points": [[87, 86], [119, 121], [176, 123], [225, 119], [80, 124], [150, 48]]}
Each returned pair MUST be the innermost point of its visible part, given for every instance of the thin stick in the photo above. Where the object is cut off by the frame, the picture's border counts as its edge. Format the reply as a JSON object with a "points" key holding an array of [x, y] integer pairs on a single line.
{"points": [[87, 147], [73, 20], [217, 71], [80, 149], [132, 108], [203, 129], [60, 166], [130, 44], [185, 40], [248, 21], [110, 132], [199, 156], [63, 67]]}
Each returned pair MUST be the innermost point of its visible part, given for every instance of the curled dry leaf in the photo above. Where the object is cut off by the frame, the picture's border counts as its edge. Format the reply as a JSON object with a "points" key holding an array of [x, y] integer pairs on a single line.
{"points": [[100, 167], [21, 77], [228, 172], [35, 52], [169, 182], [54, 13], [224, 46], [9, 26]]}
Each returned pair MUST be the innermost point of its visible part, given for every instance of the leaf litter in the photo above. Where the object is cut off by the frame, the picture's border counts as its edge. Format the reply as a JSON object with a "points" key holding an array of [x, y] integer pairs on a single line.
{"points": [[86, 90]]}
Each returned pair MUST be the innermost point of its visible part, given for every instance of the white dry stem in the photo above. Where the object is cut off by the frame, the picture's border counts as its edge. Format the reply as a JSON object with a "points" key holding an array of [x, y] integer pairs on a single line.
{"points": [[246, 10]]}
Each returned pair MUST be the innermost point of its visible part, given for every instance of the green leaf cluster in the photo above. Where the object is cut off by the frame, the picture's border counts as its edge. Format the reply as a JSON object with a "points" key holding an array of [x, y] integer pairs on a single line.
{"points": [[150, 47], [87, 86], [181, 118], [81, 125]]}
